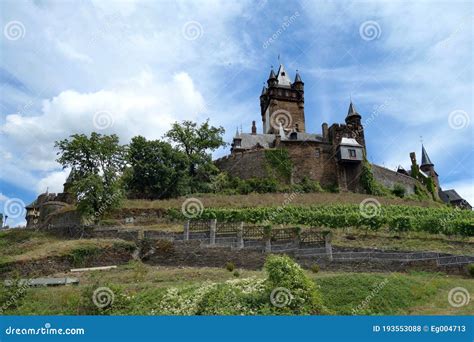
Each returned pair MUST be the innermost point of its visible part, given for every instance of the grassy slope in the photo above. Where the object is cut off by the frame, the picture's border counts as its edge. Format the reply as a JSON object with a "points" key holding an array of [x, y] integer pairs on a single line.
{"points": [[268, 200], [416, 293]]}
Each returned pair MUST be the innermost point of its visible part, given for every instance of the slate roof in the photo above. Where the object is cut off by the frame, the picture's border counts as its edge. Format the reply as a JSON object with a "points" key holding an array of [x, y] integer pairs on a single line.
{"points": [[352, 111], [449, 196], [250, 140], [425, 160]]}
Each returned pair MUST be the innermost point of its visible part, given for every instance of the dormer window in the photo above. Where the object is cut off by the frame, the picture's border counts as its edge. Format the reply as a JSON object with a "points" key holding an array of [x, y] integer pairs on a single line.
{"points": [[352, 153]]}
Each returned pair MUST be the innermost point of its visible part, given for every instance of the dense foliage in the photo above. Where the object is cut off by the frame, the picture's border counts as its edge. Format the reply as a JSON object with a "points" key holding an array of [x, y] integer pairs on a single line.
{"points": [[157, 170], [96, 163], [395, 218], [279, 162], [196, 142]]}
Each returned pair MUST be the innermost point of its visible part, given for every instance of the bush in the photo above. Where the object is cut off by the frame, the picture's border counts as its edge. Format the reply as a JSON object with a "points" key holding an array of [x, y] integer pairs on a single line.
{"points": [[315, 268], [399, 190], [230, 266], [307, 185], [400, 224], [236, 274], [287, 279], [470, 269], [81, 256]]}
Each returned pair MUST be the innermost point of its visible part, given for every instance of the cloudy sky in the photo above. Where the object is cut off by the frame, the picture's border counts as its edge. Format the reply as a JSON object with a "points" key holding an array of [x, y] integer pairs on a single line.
{"points": [[134, 67]]}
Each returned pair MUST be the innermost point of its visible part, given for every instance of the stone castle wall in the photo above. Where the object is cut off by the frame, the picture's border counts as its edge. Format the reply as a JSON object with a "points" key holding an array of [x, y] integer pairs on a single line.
{"points": [[244, 165], [307, 162], [389, 178]]}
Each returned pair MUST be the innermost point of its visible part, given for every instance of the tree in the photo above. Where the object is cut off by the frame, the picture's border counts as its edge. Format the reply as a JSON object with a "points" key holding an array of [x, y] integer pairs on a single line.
{"points": [[197, 143], [157, 170], [97, 163]]}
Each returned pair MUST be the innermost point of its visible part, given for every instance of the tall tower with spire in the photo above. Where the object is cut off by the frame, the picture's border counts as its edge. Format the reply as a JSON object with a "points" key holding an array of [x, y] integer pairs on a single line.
{"points": [[428, 167], [282, 102]]}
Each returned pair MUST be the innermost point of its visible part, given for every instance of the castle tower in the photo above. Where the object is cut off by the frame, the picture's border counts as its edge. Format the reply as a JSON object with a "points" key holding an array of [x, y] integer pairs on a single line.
{"points": [[282, 102], [428, 167]]}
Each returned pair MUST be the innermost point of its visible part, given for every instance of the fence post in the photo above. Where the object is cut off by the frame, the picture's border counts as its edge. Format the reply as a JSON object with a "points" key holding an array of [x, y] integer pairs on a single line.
{"points": [[268, 244], [186, 230], [327, 243], [212, 232], [240, 236]]}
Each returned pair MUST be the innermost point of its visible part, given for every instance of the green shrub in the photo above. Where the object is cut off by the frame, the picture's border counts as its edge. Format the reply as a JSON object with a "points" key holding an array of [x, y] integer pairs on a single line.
{"points": [[470, 270], [300, 294], [81, 256], [307, 185], [399, 190], [236, 274], [230, 266], [400, 224], [315, 268]]}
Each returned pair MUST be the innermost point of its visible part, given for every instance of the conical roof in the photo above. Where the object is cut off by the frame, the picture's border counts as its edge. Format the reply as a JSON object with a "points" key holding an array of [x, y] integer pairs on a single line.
{"points": [[425, 159]]}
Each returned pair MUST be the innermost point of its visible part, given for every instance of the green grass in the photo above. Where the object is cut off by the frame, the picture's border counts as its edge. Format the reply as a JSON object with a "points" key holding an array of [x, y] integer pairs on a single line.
{"points": [[139, 287]]}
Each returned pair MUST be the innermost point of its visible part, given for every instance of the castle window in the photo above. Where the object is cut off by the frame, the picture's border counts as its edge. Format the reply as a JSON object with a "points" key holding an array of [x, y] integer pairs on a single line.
{"points": [[352, 153], [318, 153]]}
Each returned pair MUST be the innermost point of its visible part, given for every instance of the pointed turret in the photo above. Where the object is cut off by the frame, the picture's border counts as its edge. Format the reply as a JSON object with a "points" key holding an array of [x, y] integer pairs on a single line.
{"points": [[427, 167], [425, 159], [272, 79], [264, 90], [298, 84], [352, 115]]}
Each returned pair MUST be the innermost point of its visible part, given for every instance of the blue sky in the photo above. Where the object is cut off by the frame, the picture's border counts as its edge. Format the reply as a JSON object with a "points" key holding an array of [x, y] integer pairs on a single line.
{"points": [[134, 67]]}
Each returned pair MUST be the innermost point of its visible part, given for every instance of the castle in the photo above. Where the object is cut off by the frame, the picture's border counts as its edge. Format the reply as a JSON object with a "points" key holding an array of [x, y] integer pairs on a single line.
{"points": [[333, 157]]}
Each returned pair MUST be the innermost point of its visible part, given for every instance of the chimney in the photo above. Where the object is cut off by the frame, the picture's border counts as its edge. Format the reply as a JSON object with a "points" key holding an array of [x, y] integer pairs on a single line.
{"points": [[325, 131], [254, 128]]}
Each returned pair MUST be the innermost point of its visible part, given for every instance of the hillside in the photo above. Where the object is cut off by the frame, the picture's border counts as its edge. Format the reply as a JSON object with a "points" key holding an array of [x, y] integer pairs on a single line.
{"points": [[276, 199]]}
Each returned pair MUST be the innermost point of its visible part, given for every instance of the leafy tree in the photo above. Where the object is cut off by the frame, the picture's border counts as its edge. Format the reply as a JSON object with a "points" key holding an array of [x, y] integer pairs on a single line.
{"points": [[157, 170], [97, 163], [197, 142]]}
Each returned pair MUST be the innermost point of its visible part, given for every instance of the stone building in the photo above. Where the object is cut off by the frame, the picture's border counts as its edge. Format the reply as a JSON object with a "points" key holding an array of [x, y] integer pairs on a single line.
{"points": [[47, 203], [332, 157]]}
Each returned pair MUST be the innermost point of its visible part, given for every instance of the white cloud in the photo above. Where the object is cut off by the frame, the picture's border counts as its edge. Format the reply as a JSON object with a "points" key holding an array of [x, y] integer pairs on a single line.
{"points": [[53, 182], [71, 53], [141, 105]]}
